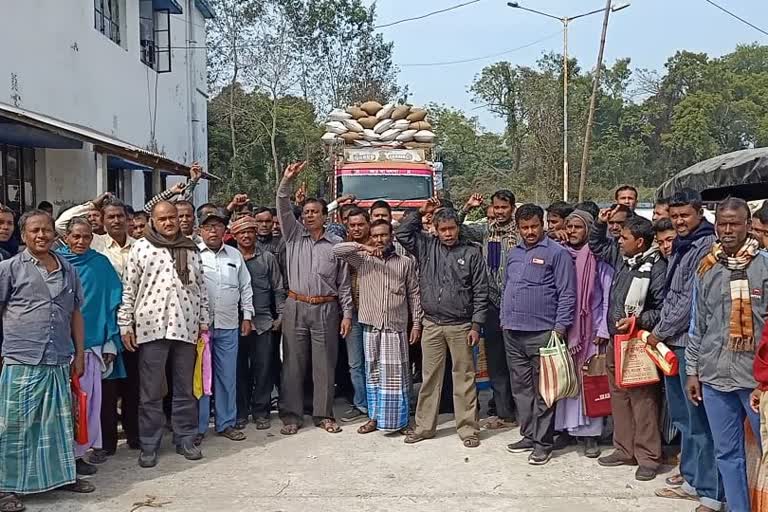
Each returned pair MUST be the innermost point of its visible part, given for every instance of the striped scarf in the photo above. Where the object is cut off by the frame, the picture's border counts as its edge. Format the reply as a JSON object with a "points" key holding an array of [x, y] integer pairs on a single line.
{"points": [[641, 266], [499, 239], [741, 336]]}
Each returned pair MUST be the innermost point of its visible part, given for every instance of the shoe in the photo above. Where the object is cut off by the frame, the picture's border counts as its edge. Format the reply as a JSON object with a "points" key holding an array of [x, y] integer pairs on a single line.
{"points": [[562, 441], [353, 414], [591, 448], [147, 459], [84, 469], [189, 451], [614, 460], [98, 456], [539, 457], [645, 474], [522, 446], [199, 439]]}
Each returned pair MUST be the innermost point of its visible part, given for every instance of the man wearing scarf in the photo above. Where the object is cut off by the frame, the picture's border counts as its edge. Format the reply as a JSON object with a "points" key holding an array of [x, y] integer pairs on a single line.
{"points": [[589, 329], [698, 478], [164, 311], [731, 296], [637, 291]]}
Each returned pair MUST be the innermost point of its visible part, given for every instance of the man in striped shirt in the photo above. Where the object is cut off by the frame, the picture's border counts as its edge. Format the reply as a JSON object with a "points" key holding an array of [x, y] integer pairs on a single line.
{"points": [[388, 287]]}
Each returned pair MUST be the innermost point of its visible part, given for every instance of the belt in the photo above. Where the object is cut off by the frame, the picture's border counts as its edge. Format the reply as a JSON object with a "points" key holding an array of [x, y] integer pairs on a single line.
{"points": [[323, 299]]}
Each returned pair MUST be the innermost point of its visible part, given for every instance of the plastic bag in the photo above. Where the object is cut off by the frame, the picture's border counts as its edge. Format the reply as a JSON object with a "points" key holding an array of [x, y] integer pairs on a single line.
{"points": [[557, 375]]}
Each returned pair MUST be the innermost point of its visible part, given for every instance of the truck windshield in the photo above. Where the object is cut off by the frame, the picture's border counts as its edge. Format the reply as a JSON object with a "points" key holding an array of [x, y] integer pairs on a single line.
{"points": [[403, 188]]}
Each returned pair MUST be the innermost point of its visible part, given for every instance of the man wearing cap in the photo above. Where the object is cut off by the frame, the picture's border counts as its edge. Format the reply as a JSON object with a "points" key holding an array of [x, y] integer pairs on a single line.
{"points": [[229, 284]]}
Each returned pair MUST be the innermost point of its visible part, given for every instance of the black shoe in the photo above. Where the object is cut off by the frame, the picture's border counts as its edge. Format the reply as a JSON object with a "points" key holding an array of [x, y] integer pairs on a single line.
{"points": [[562, 441], [199, 439], [591, 448], [522, 446], [134, 445], [353, 414], [84, 469], [539, 457], [644, 474], [189, 451], [614, 460], [147, 459]]}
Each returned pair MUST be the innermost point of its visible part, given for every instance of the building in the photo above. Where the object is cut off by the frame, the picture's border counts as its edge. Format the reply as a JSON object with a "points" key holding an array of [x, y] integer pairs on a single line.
{"points": [[100, 95]]}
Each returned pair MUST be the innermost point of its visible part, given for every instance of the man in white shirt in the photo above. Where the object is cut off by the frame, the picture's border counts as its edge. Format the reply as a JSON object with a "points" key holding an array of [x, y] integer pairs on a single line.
{"points": [[229, 284]]}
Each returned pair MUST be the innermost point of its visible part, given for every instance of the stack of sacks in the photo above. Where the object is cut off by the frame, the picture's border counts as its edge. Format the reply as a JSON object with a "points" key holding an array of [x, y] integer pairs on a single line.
{"points": [[373, 124]]}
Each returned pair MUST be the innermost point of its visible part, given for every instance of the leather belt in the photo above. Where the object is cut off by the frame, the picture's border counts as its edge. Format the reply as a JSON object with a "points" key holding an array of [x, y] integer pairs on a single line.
{"points": [[308, 299]]}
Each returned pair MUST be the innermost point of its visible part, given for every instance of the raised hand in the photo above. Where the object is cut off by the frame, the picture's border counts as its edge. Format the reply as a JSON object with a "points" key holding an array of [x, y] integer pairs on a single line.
{"points": [[301, 193], [294, 169], [430, 205], [606, 213], [196, 171], [474, 201]]}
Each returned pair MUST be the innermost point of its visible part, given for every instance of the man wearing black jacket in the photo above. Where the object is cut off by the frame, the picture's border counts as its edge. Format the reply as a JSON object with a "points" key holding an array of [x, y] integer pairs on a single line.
{"points": [[637, 291], [454, 296]]}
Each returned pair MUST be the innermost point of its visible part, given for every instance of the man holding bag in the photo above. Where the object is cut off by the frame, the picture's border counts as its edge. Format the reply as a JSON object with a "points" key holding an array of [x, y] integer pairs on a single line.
{"points": [[636, 297], [539, 298]]}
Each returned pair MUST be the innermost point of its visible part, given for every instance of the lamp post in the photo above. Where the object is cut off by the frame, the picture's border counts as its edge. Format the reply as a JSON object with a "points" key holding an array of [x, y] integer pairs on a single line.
{"points": [[566, 20]]}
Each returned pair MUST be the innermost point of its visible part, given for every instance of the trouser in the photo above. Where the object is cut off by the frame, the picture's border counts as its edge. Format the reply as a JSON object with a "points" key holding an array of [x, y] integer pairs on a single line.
{"points": [[697, 449], [356, 360], [636, 426], [254, 375], [726, 413], [309, 330], [277, 362], [498, 371], [90, 382], [224, 358], [127, 391], [537, 421], [436, 340], [153, 356]]}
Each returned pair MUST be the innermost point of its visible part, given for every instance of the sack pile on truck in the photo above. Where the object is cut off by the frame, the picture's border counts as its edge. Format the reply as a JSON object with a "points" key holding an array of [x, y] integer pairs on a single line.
{"points": [[373, 125]]}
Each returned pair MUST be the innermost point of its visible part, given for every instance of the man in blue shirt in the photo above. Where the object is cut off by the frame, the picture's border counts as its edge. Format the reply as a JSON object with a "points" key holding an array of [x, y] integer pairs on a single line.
{"points": [[539, 298]]}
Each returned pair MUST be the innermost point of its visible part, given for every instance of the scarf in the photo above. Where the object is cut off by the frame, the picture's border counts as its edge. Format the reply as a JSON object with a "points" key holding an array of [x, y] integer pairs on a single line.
{"points": [[741, 336], [178, 248], [501, 238], [640, 265], [683, 244], [582, 330], [241, 224]]}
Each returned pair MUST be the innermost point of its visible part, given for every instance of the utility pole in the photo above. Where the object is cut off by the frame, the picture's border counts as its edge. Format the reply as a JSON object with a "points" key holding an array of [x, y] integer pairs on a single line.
{"points": [[565, 109], [592, 102]]}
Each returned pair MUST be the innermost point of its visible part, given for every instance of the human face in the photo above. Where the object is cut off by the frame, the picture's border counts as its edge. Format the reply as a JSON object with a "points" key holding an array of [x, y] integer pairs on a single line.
{"points": [[616, 223], [555, 222], [312, 213], [502, 210], [627, 198], [358, 228], [660, 211], [276, 231], [212, 233], [38, 234], [685, 219], [629, 245], [165, 218], [531, 230], [186, 218], [6, 226], [94, 217], [732, 227], [79, 238], [448, 232], [759, 229], [265, 224], [381, 237], [381, 213], [139, 226], [665, 240], [577, 232], [115, 221], [246, 240]]}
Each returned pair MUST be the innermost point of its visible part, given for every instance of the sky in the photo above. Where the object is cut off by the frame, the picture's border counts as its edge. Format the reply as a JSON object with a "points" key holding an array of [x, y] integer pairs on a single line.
{"points": [[648, 32]]}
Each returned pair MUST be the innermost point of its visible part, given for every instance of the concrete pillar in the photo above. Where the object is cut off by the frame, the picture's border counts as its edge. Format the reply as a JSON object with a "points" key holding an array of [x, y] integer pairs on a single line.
{"points": [[157, 182], [101, 173]]}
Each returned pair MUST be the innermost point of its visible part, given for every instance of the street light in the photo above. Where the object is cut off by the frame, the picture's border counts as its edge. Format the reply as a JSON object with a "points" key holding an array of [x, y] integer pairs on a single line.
{"points": [[566, 20]]}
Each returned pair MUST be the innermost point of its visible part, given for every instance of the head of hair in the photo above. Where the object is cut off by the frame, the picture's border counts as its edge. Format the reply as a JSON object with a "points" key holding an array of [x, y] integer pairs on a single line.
{"points": [[504, 195], [624, 188], [445, 215], [273, 211], [130, 211], [382, 222], [640, 227], [296, 211], [446, 203], [588, 206], [686, 197], [355, 211], [184, 202], [345, 208], [5, 209], [662, 201], [30, 214], [733, 203], [141, 213], [44, 205], [529, 211], [262, 209], [114, 202], [662, 225], [761, 213], [77, 221], [560, 208], [622, 208], [205, 206], [380, 204], [159, 204], [322, 203]]}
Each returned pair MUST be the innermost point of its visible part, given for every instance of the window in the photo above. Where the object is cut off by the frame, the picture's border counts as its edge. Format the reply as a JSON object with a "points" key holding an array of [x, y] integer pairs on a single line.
{"points": [[155, 36], [17, 178], [116, 181], [107, 18]]}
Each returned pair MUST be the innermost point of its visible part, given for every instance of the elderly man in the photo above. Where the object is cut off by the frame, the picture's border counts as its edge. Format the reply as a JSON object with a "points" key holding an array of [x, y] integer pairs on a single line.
{"points": [[40, 296], [164, 311], [318, 298], [229, 288], [454, 295]]}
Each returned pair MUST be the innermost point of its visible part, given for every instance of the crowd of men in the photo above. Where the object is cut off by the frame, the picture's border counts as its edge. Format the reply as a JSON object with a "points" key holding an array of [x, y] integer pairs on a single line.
{"points": [[120, 300]]}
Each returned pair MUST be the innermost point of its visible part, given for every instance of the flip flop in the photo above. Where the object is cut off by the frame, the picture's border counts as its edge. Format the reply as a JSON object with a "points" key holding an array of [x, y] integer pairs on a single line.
{"points": [[329, 426], [367, 427], [289, 430], [675, 493], [232, 434], [80, 487], [10, 502], [471, 442], [675, 480], [496, 423]]}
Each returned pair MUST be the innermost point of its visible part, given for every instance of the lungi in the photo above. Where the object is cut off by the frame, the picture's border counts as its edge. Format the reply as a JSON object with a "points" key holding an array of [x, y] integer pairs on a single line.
{"points": [[91, 384], [387, 377], [36, 435]]}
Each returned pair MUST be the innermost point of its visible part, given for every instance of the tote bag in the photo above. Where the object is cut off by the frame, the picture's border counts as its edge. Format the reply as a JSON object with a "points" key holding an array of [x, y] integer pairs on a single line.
{"points": [[79, 411], [595, 390], [557, 375], [634, 367]]}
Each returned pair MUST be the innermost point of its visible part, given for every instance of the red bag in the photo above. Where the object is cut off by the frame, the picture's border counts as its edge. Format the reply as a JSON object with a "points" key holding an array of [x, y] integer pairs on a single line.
{"points": [[594, 383], [79, 411], [634, 367]]}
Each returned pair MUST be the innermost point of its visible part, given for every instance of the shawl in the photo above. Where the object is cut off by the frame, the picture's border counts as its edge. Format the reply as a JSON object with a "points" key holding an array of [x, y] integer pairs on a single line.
{"points": [[582, 330], [178, 248]]}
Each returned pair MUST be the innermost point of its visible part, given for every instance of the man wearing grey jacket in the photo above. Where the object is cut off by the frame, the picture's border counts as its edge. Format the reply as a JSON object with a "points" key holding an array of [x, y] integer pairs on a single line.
{"points": [[698, 472]]}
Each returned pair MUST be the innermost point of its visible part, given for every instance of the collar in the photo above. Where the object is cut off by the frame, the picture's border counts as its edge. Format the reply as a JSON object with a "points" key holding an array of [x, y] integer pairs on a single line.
{"points": [[27, 256], [204, 248], [544, 242], [329, 237], [111, 242]]}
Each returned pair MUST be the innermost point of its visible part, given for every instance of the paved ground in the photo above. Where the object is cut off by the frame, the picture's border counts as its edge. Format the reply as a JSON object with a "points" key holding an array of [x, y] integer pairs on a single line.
{"points": [[350, 472]]}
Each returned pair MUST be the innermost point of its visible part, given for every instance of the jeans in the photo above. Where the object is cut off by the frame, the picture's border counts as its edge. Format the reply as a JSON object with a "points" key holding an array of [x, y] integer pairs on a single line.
{"points": [[356, 357], [726, 413], [224, 358], [697, 450]]}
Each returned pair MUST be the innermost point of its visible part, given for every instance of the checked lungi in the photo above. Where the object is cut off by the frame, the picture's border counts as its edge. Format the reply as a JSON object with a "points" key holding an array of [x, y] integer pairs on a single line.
{"points": [[36, 435], [387, 377]]}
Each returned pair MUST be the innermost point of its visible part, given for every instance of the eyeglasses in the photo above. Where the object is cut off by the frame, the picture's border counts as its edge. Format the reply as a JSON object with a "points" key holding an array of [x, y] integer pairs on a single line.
{"points": [[212, 227]]}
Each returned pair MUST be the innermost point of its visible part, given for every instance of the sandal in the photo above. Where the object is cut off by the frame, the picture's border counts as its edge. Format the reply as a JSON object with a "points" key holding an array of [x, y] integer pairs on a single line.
{"points": [[496, 423], [675, 480], [367, 427], [10, 502], [472, 442], [414, 438], [289, 430], [405, 431], [329, 426], [232, 434], [80, 487], [263, 423], [675, 493]]}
